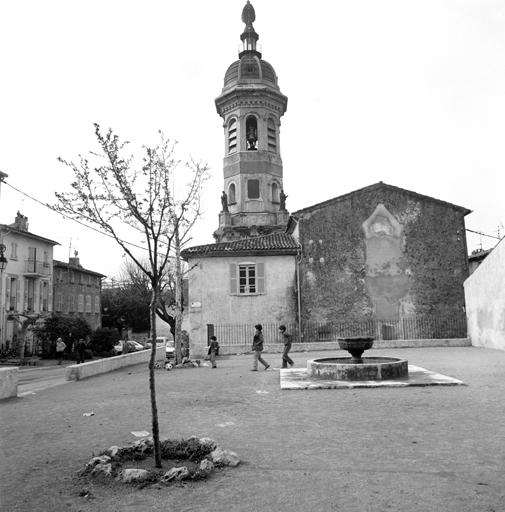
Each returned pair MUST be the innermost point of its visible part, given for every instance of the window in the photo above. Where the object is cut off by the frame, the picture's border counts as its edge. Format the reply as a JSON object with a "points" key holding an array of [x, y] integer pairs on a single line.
{"points": [[253, 189], [71, 303], [30, 294], [71, 277], [12, 294], [232, 136], [80, 303], [231, 194], [14, 251], [88, 303], [97, 304], [46, 259], [271, 135], [44, 295], [59, 302], [247, 278], [81, 279], [32, 259]]}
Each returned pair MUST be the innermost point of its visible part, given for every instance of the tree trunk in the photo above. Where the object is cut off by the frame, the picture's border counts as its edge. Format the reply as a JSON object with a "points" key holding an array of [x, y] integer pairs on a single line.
{"points": [[152, 387]]}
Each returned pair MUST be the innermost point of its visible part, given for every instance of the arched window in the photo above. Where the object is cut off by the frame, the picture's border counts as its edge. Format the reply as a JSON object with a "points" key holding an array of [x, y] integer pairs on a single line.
{"points": [[231, 194], [232, 136], [275, 193], [272, 135], [251, 133]]}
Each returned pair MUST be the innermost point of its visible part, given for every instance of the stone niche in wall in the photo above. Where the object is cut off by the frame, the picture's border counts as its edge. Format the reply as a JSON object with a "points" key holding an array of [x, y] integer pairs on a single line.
{"points": [[386, 280]]}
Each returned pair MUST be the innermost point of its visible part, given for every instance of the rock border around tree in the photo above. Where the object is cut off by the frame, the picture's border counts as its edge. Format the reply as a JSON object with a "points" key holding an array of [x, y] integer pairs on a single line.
{"points": [[191, 459]]}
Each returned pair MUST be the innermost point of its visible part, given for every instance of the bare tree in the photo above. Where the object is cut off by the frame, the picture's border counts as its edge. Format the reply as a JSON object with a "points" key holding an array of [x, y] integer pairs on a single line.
{"points": [[141, 284], [118, 194]]}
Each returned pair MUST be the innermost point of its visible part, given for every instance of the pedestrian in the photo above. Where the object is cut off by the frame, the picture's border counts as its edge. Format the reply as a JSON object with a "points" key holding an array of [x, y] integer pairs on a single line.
{"points": [[60, 349], [286, 360], [81, 348], [258, 348], [213, 350], [126, 346]]}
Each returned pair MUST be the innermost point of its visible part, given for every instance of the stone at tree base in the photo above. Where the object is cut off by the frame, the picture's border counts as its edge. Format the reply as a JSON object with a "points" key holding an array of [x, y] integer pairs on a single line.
{"points": [[143, 444], [133, 475], [175, 474], [225, 457], [113, 451], [102, 469], [207, 441], [95, 461], [206, 466]]}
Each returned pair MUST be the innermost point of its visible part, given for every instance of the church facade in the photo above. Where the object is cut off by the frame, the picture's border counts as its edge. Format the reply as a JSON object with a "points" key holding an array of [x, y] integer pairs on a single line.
{"points": [[380, 252]]}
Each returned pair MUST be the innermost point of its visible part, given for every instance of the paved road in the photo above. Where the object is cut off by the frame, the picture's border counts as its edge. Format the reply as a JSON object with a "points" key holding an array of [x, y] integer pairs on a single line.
{"points": [[35, 379]]}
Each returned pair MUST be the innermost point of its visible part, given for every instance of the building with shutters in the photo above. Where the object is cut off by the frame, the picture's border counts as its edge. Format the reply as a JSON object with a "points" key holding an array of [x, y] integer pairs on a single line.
{"points": [[77, 292], [26, 282]]}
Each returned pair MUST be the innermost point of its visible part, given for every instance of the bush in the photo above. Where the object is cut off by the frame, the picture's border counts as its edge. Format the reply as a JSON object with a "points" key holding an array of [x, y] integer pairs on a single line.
{"points": [[104, 339], [88, 354]]}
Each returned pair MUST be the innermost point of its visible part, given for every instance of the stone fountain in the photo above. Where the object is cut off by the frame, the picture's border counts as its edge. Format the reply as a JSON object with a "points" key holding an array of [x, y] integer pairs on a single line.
{"points": [[356, 367]]}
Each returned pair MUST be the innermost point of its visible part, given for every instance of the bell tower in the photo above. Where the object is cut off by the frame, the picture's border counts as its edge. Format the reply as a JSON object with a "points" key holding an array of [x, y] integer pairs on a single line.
{"points": [[251, 105]]}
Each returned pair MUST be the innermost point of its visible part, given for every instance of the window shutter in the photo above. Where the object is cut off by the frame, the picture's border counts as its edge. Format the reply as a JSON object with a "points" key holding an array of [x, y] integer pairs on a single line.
{"points": [[233, 278], [8, 293], [50, 296], [260, 270], [18, 298], [26, 294]]}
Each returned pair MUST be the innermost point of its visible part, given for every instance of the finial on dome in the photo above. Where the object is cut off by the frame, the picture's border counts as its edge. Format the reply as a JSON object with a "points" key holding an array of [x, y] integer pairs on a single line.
{"points": [[248, 14], [249, 36]]}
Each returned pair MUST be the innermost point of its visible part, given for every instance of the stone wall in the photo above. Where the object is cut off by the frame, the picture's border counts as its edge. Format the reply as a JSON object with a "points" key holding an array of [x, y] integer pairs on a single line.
{"points": [[382, 252]]}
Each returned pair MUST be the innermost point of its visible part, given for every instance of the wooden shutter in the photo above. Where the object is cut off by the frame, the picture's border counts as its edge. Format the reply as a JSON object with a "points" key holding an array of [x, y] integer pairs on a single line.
{"points": [[260, 277], [26, 294], [49, 296], [233, 278], [8, 293]]}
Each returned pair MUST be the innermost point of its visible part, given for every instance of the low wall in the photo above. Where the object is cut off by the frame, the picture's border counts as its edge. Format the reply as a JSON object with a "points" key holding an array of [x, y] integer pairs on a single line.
{"points": [[8, 382], [85, 370], [275, 348]]}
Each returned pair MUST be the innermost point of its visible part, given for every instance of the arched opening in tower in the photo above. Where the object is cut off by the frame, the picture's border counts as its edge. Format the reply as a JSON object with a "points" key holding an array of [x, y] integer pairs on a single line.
{"points": [[251, 130]]}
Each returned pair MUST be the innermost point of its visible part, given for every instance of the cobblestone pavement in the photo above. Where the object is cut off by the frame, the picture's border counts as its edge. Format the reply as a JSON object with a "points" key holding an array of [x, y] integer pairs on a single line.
{"points": [[415, 449]]}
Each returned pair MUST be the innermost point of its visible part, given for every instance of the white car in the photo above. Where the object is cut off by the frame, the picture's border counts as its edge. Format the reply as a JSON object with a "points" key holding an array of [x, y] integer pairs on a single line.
{"points": [[134, 346], [163, 341]]}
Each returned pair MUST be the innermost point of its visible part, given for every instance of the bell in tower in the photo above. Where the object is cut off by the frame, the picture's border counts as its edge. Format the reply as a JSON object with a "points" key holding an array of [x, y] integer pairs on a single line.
{"points": [[251, 105]]}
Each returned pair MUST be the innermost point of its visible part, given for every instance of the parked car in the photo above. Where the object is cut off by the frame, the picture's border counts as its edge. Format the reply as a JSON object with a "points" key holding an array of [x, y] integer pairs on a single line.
{"points": [[133, 347], [163, 341]]}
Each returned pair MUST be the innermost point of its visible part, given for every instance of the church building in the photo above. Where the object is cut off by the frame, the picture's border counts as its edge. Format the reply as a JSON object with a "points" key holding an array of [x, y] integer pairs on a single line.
{"points": [[380, 252]]}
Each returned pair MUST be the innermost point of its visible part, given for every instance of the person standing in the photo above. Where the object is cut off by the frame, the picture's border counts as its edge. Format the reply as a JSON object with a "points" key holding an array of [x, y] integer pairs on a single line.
{"points": [[81, 349], [60, 349], [286, 360], [213, 350], [258, 348]]}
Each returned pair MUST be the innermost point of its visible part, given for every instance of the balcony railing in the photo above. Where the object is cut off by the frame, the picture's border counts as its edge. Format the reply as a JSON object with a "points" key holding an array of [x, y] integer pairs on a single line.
{"points": [[37, 267], [380, 329]]}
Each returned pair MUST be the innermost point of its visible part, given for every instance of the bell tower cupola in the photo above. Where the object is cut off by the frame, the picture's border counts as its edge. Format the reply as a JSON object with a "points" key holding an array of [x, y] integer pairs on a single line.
{"points": [[251, 105]]}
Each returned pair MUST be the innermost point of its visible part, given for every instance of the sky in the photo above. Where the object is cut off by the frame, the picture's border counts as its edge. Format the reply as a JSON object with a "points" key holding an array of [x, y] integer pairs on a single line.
{"points": [[411, 93]]}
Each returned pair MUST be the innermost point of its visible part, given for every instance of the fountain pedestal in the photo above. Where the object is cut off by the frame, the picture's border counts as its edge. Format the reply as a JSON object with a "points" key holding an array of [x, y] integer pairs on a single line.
{"points": [[356, 367]]}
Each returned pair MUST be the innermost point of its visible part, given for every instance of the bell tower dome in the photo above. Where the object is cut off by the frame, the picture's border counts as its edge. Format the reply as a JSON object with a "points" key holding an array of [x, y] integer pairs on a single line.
{"points": [[251, 105]]}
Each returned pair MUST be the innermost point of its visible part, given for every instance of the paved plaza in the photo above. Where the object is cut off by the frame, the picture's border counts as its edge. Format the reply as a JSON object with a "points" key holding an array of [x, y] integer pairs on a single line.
{"points": [[427, 448]]}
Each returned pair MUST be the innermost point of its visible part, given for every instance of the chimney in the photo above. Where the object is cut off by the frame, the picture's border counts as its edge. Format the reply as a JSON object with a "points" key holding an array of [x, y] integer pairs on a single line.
{"points": [[21, 222], [75, 260]]}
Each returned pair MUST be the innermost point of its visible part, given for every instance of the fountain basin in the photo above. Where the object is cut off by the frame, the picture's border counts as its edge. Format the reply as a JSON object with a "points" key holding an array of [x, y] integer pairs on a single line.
{"points": [[346, 368]]}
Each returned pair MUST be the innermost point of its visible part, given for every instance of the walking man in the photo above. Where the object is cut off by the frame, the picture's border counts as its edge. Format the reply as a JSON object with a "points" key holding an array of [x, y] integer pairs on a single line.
{"points": [[81, 348], [286, 360], [258, 348], [60, 349], [213, 350]]}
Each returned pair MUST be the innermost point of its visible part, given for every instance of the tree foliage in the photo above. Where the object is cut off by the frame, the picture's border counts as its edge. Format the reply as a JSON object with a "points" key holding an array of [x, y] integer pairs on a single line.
{"points": [[116, 193], [69, 329]]}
